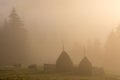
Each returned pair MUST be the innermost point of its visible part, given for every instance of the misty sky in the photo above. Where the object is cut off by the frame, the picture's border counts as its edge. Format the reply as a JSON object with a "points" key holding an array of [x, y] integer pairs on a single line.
{"points": [[92, 18]]}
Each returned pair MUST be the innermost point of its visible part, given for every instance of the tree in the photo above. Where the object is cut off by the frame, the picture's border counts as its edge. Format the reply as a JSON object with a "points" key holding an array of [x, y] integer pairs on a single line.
{"points": [[112, 50], [77, 52], [98, 53], [1, 45], [16, 40]]}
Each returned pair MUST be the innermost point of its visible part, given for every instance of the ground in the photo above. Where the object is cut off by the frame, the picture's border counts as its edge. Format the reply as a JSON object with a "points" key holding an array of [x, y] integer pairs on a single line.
{"points": [[36, 75]]}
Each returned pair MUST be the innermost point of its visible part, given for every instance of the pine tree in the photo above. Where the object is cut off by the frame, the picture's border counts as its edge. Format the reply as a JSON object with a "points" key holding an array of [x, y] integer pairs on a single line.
{"points": [[98, 53], [112, 50], [1, 46], [16, 37], [77, 52], [14, 19]]}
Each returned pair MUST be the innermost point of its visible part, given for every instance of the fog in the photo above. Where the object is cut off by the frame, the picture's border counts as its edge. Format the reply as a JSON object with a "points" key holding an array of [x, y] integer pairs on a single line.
{"points": [[75, 22]]}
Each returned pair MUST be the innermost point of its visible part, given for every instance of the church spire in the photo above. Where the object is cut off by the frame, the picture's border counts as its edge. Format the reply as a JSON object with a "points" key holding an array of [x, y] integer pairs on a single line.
{"points": [[84, 52], [63, 45]]}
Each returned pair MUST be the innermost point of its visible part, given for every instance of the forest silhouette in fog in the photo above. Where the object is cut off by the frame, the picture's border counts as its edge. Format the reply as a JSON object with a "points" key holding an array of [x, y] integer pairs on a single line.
{"points": [[59, 39], [16, 46], [51, 54], [14, 40]]}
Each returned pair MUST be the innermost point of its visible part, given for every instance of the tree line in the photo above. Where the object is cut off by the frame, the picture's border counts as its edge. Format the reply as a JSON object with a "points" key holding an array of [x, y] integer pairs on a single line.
{"points": [[14, 45]]}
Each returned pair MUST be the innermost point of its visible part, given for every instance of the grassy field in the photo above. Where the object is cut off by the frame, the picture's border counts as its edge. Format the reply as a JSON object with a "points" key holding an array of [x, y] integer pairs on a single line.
{"points": [[36, 75]]}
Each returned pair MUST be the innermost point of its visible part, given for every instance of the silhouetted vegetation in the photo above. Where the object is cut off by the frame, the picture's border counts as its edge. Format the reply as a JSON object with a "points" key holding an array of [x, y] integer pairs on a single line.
{"points": [[14, 50], [14, 41], [112, 49]]}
